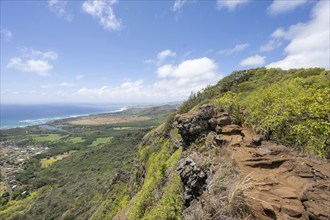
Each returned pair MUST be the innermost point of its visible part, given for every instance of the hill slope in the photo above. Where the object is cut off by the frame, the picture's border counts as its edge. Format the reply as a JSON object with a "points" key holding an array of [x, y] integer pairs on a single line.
{"points": [[206, 163], [249, 147]]}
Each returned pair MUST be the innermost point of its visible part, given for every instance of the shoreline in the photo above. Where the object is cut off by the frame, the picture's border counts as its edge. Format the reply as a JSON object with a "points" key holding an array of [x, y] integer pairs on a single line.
{"points": [[43, 121]]}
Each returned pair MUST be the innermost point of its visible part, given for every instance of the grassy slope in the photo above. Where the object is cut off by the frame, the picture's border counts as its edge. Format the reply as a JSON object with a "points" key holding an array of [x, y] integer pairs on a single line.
{"points": [[155, 185], [291, 107], [81, 186], [292, 93], [155, 188]]}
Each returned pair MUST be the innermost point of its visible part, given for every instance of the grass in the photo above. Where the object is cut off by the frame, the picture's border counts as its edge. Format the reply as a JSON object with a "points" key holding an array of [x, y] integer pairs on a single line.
{"points": [[76, 140], [46, 162], [48, 137], [2, 188], [101, 141], [236, 197], [122, 128], [159, 197], [20, 207]]}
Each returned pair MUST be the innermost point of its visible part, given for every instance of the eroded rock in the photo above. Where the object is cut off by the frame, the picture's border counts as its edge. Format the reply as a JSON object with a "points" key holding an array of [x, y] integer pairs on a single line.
{"points": [[193, 178], [205, 119]]}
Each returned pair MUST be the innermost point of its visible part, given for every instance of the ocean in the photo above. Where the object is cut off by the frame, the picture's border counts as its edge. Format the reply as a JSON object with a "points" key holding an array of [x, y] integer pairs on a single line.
{"points": [[24, 115]]}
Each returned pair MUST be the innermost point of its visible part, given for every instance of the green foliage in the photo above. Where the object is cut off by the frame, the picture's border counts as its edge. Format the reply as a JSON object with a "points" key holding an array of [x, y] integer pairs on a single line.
{"points": [[170, 205], [231, 103], [159, 196], [168, 126], [80, 183], [291, 105], [117, 199], [100, 141], [296, 111], [80, 186]]}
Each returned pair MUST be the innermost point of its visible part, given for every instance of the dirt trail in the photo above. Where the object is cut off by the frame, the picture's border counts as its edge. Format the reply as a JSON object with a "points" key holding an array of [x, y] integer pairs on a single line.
{"points": [[285, 186]]}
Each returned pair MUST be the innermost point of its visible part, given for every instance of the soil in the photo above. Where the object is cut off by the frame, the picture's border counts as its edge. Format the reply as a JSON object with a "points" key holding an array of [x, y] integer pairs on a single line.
{"points": [[285, 184]]}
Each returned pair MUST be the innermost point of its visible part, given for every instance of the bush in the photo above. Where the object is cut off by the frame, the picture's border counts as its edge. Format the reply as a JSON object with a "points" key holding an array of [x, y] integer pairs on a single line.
{"points": [[296, 111]]}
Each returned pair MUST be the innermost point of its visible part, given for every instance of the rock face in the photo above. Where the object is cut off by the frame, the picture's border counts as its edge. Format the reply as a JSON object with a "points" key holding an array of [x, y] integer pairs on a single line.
{"points": [[205, 119], [192, 125], [212, 123], [193, 179], [285, 185]]}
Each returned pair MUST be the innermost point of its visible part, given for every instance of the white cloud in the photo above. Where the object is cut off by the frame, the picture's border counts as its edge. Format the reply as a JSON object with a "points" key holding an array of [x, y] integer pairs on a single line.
{"points": [[309, 42], [103, 11], [178, 4], [161, 56], [272, 44], [60, 93], [278, 33], [58, 7], [174, 82], [282, 6], [237, 48], [66, 84], [33, 61], [129, 89], [149, 61], [80, 76], [255, 60], [275, 41], [190, 70], [230, 4], [6, 34], [41, 67]]}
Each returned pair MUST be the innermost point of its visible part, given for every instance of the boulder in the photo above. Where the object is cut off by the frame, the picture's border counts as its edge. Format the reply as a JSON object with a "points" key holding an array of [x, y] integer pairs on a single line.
{"points": [[223, 121]]}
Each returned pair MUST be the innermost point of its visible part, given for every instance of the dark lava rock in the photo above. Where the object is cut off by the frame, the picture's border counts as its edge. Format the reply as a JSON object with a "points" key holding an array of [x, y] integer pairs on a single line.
{"points": [[193, 179], [194, 124], [256, 140], [200, 122]]}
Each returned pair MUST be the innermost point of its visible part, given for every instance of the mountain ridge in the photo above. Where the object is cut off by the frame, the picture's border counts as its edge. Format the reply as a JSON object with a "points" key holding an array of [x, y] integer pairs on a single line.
{"points": [[230, 151]]}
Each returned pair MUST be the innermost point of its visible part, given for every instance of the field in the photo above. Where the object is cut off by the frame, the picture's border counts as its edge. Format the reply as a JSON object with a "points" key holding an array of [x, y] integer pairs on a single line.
{"points": [[107, 120], [46, 162], [47, 137], [101, 141]]}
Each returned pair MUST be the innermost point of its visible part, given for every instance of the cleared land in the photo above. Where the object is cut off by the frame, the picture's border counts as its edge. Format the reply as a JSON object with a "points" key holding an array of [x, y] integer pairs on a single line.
{"points": [[101, 141], [46, 162], [107, 120], [48, 137]]}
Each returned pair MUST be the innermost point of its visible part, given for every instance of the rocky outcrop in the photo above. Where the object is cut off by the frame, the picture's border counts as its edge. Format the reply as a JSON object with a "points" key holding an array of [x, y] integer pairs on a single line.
{"points": [[316, 200], [194, 124], [193, 179], [205, 119], [285, 185]]}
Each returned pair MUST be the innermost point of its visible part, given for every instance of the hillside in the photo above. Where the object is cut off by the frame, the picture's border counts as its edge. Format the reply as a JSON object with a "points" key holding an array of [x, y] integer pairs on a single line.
{"points": [[242, 149], [253, 146]]}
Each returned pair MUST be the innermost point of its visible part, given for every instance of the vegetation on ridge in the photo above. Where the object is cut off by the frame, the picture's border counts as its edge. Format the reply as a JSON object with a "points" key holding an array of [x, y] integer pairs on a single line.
{"points": [[109, 177], [291, 107]]}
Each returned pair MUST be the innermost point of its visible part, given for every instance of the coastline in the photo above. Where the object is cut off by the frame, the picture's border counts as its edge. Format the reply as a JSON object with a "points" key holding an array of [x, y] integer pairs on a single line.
{"points": [[43, 121]]}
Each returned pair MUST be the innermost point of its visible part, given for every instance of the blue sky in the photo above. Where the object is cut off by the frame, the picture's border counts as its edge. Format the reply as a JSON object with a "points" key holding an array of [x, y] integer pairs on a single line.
{"points": [[150, 51]]}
